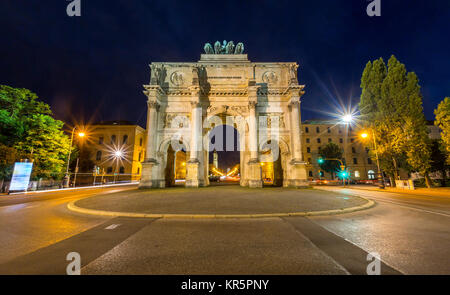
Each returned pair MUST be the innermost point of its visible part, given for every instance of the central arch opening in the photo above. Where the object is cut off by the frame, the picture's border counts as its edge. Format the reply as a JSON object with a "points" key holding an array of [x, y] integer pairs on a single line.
{"points": [[224, 155]]}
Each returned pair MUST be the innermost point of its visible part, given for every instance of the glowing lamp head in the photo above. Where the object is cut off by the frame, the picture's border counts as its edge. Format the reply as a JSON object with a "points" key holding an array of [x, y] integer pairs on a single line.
{"points": [[81, 134], [118, 154], [320, 160], [364, 135], [348, 118]]}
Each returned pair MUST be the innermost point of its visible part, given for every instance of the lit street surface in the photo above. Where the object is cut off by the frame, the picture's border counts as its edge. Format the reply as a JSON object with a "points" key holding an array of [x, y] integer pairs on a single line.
{"points": [[411, 233]]}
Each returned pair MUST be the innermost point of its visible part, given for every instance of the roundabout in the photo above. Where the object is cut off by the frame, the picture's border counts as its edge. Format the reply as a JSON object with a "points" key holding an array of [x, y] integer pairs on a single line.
{"points": [[220, 202]]}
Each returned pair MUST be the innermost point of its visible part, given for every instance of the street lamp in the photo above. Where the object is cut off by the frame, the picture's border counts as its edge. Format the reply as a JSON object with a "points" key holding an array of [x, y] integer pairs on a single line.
{"points": [[347, 118], [380, 177], [67, 176]]}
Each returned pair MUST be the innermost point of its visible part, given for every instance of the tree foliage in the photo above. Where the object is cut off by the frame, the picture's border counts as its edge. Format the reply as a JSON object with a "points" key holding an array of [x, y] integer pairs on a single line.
{"points": [[391, 105], [330, 151], [443, 122], [28, 128]]}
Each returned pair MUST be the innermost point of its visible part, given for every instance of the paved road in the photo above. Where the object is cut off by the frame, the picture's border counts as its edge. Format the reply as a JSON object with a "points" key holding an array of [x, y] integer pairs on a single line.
{"points": [[412, 235]]}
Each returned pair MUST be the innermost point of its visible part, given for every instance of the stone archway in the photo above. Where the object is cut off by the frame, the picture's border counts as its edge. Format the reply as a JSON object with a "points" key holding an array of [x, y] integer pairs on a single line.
{"points": [[182, 97]]}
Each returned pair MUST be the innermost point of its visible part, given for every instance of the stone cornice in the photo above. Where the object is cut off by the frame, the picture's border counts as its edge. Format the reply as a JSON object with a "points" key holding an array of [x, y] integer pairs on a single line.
{"points": [[153, 90]]}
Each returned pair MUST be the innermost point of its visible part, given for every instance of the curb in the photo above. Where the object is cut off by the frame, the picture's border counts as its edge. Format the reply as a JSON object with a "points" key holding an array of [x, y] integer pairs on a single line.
{"points": [[71, 206]]}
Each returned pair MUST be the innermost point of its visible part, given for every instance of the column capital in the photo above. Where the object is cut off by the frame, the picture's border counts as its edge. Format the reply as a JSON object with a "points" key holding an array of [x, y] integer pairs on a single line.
{"points": [[252, 105], [195, 104], [294, 103], [153, 104]]}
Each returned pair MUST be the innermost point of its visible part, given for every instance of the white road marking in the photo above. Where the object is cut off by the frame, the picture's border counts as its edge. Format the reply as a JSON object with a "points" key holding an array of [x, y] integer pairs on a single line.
{"points": [[113, 226]]}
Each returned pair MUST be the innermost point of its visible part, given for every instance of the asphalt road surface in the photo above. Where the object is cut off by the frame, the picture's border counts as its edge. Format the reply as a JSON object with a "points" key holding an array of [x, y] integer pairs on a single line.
{"points": [[410, 233]]}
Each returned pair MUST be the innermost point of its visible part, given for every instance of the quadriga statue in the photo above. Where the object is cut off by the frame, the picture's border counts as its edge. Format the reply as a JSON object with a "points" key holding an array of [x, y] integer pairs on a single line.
{"points": [[225, 48]]}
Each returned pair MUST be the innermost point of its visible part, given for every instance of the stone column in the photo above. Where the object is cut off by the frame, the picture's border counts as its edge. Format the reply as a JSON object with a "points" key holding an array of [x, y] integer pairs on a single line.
{"points": [[196, 130], [254, 173], [152, 128], [194, 168], [297, 175], [296, 131], [150, 165], [253, 131]]}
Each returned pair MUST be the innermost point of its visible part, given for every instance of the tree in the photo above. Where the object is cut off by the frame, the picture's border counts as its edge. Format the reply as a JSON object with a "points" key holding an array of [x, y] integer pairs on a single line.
{"points": [[443, 122], [330, 151], [438, 160], [391, 105], [27, 126]]}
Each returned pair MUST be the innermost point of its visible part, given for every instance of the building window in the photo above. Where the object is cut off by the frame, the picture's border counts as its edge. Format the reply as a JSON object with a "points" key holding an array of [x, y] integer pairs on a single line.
{"points": [[307, 140], [139, 170], [100, 140], [339, 130], [317, 129], [140, 156], [371, 174], [353, 150], [125, 139], [113, 139], [328, 130], [341, 140], [369, 161], [306, 130], [310, 174], [309, 160], [318, 140], [109, 170], [329, 140], [122, 170], [308, 149], [352, 140], [320, 149], [140, 141], [98, 157], [355, 161], [357, 175]]}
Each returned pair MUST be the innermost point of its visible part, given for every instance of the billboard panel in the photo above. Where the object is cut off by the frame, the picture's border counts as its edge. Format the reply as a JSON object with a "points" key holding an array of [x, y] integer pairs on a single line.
{"points": [[21, 176]]}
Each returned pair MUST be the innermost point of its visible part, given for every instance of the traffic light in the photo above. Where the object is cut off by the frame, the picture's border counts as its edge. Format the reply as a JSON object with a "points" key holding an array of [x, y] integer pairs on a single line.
{"points": [[321, 161], [343, 174]]}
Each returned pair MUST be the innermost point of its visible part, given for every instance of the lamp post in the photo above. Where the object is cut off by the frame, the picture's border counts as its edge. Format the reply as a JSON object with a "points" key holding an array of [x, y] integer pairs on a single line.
{"points": [[379, 174], [67, 176]]}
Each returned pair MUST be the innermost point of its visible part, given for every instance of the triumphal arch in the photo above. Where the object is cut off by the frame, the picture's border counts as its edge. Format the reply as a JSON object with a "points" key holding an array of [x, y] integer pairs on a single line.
{"points": [[186, 100]]}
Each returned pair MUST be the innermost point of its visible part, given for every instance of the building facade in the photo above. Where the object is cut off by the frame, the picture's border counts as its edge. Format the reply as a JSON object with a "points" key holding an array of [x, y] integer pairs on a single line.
{"points": [[317, 133], [117, 147]]}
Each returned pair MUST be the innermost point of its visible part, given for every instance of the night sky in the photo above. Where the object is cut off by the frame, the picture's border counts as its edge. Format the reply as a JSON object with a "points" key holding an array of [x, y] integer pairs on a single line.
{"points": [[92, 67]]}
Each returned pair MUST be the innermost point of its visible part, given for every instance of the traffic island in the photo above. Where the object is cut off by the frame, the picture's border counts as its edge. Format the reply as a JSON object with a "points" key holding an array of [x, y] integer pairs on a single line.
{"points": [[220, 202]]}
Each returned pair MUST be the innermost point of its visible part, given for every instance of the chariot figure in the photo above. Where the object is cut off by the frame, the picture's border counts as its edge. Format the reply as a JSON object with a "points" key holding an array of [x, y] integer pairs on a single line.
{"points": [[239, 48], [229, 48], [208, 49]]}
